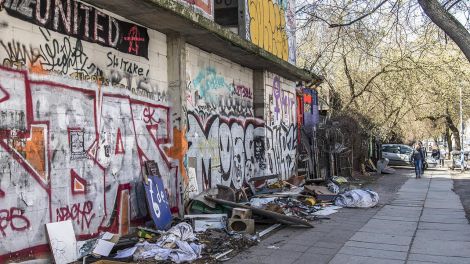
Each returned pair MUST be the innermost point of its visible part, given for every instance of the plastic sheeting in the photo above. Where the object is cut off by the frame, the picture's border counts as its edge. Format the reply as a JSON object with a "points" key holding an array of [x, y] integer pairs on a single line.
{"points": [[173, 245], [358, 198]]}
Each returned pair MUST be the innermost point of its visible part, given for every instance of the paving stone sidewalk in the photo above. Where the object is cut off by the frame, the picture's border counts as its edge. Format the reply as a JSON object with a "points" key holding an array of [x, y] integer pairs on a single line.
{"points": [[425, 223]]}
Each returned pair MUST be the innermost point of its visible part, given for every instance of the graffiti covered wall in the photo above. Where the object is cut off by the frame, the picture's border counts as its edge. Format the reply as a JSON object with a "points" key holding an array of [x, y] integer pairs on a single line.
{"points": [[26, 45], [270, 24], [219, 102], [77, 121], [84, 103], [281, 126], [226, 144]]}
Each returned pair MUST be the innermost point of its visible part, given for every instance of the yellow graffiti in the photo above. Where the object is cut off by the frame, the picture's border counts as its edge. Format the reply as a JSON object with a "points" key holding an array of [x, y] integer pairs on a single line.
{"points": [[268, 27]]}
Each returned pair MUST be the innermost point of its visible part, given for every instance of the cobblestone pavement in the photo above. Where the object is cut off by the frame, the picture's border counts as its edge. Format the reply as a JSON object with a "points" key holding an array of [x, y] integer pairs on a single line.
{"points": [[424, 222]]}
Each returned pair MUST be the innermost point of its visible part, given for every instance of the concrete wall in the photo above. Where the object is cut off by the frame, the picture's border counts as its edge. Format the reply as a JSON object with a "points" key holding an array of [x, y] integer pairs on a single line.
{"points": [[78, 119], [271, 25], [74, 133]]}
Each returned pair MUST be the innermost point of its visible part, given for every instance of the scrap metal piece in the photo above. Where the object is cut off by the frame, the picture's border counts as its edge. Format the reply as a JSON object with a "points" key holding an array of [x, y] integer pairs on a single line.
{"points": [[268, 230], [218, 256]]}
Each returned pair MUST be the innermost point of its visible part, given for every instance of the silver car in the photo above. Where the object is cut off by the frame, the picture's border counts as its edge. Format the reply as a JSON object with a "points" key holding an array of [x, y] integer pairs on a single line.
{"points": [[397, 154]]}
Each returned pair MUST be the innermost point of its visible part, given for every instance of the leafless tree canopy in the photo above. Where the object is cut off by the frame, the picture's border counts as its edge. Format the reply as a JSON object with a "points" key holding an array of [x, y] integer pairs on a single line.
{"points": [[390, 60]]}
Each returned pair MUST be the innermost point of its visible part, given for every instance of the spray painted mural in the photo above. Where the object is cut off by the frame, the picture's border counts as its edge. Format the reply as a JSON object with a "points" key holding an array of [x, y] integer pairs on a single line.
{"points": [[227, 144], [270, 24], [74, 152], [77, 122]]}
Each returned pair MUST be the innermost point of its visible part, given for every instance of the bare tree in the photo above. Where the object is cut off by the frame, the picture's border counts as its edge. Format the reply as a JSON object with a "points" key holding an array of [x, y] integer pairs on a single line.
{"points": [[448, 23], [385, 60]]}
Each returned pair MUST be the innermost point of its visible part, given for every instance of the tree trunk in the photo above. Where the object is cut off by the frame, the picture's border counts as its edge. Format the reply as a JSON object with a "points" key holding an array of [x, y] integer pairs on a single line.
{"points": [[447, 22], [454, 130], [449, 141]]}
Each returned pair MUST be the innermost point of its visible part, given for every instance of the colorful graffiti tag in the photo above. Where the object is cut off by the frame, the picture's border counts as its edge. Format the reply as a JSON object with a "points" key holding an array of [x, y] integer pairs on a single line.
{"points": [[230, 151], [271, 25], [226, 144], [206, 7], [209, 93]]}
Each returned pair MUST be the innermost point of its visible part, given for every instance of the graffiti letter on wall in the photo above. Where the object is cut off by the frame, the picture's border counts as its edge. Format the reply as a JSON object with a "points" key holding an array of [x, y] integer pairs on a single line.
{"points": [[13, 218], [81, 214]]}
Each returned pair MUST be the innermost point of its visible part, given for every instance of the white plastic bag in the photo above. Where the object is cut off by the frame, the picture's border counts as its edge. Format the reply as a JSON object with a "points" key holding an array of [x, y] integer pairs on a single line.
{"points": [[358, 198]]}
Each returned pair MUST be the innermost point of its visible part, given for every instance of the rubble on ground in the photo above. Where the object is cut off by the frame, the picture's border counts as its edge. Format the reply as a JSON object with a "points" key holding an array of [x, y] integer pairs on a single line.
{"points": [[221, 222]]}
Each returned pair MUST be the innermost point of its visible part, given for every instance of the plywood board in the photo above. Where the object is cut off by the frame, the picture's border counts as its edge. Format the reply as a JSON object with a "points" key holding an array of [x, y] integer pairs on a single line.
{"points": [[62, 241]]}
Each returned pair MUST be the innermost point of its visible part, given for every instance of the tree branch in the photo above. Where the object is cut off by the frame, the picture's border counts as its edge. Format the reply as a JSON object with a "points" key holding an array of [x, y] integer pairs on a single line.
{"points": [[359, 18], [448, 23]]}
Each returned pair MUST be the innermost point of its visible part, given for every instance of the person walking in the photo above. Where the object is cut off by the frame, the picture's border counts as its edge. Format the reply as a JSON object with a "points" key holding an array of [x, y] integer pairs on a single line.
{"points": [[435, 153], [442, 156], [418, 158], [424, 154]]}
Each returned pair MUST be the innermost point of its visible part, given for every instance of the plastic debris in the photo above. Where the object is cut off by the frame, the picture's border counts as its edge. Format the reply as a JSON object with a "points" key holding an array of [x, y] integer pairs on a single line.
{"points": [[125, 253], [358, 198], [310, 201], [327, 211], [261, 202], [333, 187], [173, 245], [339, 179]]}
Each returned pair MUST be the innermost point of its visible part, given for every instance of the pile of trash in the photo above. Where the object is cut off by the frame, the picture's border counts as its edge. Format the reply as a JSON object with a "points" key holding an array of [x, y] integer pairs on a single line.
{"points": [[218, 223], [178, 244]]}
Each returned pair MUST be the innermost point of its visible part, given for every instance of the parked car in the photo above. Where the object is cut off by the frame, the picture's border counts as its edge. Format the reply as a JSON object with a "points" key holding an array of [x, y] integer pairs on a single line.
{"points": [[397, 154]]}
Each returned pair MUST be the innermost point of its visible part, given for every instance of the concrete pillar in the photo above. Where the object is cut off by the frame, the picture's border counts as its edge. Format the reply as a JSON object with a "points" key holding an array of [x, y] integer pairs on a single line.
{"points": [[176, 59], [259, 94]]}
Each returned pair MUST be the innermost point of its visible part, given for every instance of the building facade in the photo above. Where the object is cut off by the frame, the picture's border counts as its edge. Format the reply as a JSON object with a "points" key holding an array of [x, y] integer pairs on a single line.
{"points": [[89, 91]]}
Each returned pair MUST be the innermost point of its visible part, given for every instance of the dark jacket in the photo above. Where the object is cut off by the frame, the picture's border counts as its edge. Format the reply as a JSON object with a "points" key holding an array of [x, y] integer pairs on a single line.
{"points": [[418, 154], [436, 154]]}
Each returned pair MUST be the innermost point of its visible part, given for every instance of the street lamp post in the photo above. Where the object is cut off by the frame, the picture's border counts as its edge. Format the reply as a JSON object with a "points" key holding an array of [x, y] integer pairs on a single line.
{"points": [[462, 159]]}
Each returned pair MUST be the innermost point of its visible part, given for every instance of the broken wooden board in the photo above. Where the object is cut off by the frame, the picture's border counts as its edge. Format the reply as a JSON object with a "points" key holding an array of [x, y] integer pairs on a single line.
{"points": [[321, 192]]}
